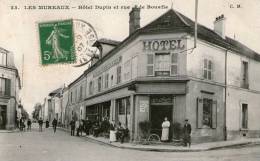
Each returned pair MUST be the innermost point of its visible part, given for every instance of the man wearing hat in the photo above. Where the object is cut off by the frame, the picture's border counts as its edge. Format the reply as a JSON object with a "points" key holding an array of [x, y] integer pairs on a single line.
{"points": [[187, 132]]}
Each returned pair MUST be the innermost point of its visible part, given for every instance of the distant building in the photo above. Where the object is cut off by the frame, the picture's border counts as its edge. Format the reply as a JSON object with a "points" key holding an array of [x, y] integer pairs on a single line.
{"points": [[9, 90], [54, 105]]}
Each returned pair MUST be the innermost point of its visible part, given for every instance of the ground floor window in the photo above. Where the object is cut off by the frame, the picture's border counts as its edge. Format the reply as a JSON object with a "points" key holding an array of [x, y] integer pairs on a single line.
{"points": [[206, 113], [244, 116]]}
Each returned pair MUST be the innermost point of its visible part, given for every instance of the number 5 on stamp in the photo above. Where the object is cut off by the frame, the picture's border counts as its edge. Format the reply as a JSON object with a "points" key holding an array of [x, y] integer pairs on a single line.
{"points": [[57, 42]]}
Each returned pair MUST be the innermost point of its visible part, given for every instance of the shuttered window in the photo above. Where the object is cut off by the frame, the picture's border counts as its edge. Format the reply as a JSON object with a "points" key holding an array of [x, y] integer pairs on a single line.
{"points": [[5, 86], [174, 65], [118, 75], [150, 64], [106, 80], [207, 69], [206, 113]]}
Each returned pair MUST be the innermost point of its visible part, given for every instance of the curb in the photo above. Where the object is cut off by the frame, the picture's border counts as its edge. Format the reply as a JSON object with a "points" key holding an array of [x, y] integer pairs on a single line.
{"points": [[166, 149], [9, 131]]}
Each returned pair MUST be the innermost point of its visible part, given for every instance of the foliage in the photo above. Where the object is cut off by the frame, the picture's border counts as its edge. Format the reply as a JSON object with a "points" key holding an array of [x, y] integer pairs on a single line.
{"points": [[177, 130], [36, 111], [145, 127]]}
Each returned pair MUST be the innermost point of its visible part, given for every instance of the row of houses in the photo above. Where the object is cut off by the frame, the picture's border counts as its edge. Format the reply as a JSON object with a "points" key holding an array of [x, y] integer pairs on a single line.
{"points": [[10, 86], [156, 72]]}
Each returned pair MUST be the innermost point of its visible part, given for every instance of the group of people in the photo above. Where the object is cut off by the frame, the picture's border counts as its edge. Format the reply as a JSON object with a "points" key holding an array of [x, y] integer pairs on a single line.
{"points": [[186, 131], [54, 124], [98, 128], [22, 122]]}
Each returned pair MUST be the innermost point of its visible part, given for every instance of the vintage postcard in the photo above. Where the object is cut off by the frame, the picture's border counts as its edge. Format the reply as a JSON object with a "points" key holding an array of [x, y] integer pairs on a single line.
{"points": [[134, 80]]}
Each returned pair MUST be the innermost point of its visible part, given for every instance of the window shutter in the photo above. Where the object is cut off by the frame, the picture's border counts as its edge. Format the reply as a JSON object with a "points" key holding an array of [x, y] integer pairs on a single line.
{"points": [[7, 87], [150, 64], [174, 64], [214, 114], [199, 112]]}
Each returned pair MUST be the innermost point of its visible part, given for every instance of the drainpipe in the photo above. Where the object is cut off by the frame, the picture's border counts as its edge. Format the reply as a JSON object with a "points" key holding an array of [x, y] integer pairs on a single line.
{"points": [[225, 109]]}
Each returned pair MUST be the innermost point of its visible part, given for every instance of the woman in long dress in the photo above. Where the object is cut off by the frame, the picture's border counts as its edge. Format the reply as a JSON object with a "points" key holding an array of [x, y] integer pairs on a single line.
{"points": [[165, 129]]}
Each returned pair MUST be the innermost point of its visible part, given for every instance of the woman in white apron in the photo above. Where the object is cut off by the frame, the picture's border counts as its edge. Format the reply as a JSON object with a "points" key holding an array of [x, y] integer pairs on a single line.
{"points": [[165, 129]]}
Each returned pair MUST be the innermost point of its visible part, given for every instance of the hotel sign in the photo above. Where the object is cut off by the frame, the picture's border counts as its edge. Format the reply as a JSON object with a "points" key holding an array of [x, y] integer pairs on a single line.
{"points": [[163, 45]]}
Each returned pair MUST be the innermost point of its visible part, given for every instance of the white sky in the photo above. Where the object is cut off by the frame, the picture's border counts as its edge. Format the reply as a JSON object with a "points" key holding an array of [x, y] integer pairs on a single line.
{"points": [[19, 32]]}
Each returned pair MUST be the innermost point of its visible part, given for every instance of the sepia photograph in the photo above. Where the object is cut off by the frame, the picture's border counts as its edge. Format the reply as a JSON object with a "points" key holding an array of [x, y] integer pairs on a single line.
{"points": [[129, 80]]}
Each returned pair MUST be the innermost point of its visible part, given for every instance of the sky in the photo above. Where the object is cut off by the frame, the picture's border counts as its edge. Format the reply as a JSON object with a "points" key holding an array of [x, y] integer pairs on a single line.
{"points": [[19, 32]]}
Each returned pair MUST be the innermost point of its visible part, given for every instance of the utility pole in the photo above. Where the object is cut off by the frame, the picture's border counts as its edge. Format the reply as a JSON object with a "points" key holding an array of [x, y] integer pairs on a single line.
{"points": [[196, 24]]}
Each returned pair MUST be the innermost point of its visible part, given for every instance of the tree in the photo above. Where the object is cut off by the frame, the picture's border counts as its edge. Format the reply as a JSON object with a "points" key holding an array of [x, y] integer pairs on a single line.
{"points": [[36, 111]]}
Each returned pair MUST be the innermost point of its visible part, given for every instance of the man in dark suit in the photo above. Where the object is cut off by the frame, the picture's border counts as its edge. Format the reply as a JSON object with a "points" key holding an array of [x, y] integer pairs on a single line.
{"points": [[187, 132]]}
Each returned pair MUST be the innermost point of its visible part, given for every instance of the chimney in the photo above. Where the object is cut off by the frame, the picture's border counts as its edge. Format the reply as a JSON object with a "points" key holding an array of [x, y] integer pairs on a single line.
{"points": [[219, 26], [134, 22]]}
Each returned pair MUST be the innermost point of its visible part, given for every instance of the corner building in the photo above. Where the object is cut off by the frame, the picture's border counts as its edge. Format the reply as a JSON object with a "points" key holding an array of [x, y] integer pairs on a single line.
{"points": [[156, 72]]}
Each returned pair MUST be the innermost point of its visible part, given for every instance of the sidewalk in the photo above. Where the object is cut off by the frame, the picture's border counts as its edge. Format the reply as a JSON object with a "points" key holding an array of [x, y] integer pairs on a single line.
{"points": [[9, 131], [171, 148]]}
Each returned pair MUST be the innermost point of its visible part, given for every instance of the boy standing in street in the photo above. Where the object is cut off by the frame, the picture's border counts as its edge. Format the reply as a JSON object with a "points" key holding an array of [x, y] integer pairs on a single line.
{"points": [[187, 132], [54, 124]]}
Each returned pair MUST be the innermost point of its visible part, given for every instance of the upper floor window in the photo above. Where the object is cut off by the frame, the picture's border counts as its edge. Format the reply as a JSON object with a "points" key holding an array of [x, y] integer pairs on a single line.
{"points": [[80, 92], [3, 59], [112, 78], [244, 81], [162, 64], [99, 83], [118, 71], [91, 88], [71, 97], [207, 69], [106, 80], [5, 86]]}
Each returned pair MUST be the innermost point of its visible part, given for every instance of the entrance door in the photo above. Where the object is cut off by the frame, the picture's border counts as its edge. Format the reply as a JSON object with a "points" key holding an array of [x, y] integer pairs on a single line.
{"points": [[158, 113], [2, 117]]}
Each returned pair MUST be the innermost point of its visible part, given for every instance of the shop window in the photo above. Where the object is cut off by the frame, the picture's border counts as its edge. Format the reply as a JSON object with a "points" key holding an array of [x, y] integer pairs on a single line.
{"points": [[3, 59], [5, 86], [123, 106], [244, 81], [244, 116], [150, 64], [162, 64], [99, 83], [206, 113], [207, 69], [118, 74], [106, 80]]}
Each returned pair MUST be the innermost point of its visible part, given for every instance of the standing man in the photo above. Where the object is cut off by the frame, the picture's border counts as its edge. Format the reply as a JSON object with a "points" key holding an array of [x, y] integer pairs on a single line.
{"points": [[29, 124], [187, 132], [72, 127], [54, 124], [40, 121]]}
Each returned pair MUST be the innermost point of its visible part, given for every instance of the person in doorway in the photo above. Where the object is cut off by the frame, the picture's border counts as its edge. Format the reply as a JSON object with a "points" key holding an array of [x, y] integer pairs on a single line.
{"points": [[165, 130], [187, 132], [72, 127], [54, 124], [29, 124], [40, 122]]}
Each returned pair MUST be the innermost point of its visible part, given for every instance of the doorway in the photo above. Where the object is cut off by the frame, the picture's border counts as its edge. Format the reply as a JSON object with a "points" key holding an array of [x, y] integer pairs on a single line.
{"points": [[3, 117], [158, 113]]}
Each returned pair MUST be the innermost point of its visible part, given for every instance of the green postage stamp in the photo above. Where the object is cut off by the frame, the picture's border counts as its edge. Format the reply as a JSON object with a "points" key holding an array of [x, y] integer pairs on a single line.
{"points": [[57, 42]]}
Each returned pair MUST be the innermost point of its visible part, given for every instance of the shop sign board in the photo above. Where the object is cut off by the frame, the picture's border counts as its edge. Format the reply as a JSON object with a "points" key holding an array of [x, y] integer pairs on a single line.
{"points": [[144, 104]]}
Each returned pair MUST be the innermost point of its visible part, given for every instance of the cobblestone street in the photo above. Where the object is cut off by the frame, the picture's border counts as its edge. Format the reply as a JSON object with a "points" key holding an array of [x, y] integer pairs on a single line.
{"points": [[47, 146]]}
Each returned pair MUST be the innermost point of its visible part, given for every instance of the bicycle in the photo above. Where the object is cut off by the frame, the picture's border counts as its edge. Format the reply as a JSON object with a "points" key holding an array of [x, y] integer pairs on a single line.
{"points": [[151, 139]]}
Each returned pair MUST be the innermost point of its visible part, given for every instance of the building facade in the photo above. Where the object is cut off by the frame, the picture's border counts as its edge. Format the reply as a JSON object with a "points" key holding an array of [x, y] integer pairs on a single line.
{"points": [[156, 72], [9, 90]]}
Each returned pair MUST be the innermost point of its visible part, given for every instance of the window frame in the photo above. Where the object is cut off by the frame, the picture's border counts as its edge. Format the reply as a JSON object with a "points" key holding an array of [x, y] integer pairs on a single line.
{"points": [[207, 69]]}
